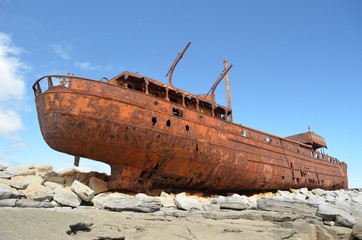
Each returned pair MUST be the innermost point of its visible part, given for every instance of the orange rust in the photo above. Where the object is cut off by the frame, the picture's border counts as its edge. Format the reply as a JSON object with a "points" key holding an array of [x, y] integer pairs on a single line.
{"points": [[155, 136]]}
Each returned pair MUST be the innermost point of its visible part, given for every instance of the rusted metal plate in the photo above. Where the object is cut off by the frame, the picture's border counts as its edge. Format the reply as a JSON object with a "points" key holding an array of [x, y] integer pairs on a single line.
{"points": [[155, 136]]}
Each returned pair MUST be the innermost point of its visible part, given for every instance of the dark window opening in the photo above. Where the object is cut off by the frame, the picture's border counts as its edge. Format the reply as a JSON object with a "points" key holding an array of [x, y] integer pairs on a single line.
{"points": [[190, 102], [168, 123], [283, 177], [205, 107], [187, 127], [177, 112], [219, 112], [156, 90], [197, 147], [154, 121], [133, 83], [174, 96]]}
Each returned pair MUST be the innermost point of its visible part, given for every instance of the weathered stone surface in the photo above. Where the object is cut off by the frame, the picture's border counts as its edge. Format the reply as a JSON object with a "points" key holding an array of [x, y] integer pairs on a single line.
{"points": [[186, 203], [129, 203], [33, 204], [5, 191], [2, 167], [21, 171], [7, 202], [6, 174], [235, 202], [357, 229], [21, 182], [211, 207], [319, 192], [97, 185], [54, 177], [66, 197], [83, 191], [280, 205], [329, 212], [38, 192], [15, 193], [5, 181], [53, 185]]}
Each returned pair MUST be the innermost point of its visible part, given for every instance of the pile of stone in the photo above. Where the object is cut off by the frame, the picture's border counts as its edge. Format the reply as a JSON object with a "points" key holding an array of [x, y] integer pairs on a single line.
{"points": [[299, 214]]}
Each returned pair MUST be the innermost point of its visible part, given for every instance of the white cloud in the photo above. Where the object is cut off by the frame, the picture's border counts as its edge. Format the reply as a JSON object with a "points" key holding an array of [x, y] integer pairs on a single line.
{"points": [[11, 68], [18, 145], [10, 123], [89, 66], [62, 50], [12, 88]]}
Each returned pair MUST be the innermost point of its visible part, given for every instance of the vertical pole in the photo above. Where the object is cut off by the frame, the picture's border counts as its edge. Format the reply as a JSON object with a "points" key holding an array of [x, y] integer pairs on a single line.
{"points": [[227, 87]]}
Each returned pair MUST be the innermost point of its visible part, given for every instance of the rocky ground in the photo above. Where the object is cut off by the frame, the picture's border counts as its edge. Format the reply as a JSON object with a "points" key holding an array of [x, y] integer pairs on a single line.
{"points": [[38, 203]]}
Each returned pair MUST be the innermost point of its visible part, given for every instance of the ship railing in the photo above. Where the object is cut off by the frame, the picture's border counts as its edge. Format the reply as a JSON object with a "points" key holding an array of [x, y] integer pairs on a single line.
{"points": [[40, 86]]}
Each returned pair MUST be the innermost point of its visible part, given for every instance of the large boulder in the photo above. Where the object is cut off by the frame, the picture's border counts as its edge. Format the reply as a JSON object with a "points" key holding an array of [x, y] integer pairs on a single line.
{"points": [[235, 202], [8, 202], [97, 185], [281, 205], [33, 204], [54, 177], [66, 197], [5, 191], [117, 202], [22, 171], [83, 191], [357, 229], [329, 212], [21, 182], [38, 192], [6, 174], [185, 203]]}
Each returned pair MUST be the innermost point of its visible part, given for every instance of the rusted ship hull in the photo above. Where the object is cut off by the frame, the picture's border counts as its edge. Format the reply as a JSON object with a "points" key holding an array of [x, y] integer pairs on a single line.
{"points": [[152, 142]]}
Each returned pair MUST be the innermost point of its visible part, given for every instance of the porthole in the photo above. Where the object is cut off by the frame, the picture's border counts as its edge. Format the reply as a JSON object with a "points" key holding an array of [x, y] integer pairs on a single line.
{"points": [[154, 121], [168, 123], [187, 127]]}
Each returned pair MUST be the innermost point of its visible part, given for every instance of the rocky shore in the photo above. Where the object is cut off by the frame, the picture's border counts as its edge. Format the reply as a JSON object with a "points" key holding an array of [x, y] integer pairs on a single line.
{"points": [[39, 203]]}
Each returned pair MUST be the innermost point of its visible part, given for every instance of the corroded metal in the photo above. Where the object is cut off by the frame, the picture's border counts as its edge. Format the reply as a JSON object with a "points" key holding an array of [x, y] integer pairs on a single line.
{"points": [[155, 136]]}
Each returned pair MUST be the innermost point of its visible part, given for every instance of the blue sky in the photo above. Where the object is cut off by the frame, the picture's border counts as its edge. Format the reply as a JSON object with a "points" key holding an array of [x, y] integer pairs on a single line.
{"points": [[296, 63]]}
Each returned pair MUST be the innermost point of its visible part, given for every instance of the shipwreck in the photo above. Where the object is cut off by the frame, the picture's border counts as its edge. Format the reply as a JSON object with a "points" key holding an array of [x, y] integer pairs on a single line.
{"points": [[156, 136]]}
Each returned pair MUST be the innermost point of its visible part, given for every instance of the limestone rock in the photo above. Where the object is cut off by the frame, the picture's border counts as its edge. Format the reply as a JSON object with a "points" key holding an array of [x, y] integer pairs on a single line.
{"points": [[319, 192], [83, 191], [235, 202], [38, 192], [2, 167], [21, 182], [6, 174], [53, 185], [5, 191], [66, 197], [280, 205], [5, 181], [54, 177], [186, 203], [357, 229], [7, 202], [97, 185], [33, 204], [21, 171], [329, 212], [129, 203]]}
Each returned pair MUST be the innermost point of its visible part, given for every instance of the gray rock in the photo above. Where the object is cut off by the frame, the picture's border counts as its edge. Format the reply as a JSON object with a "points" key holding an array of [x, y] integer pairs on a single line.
{"points": [[21, 171], [6, 174], [54, 177], [235, 202], [186, 203], [53, 185], [211, 207], [357, 229], [66, 197], [15, 193], [97, 185], [33, 204], [280, 205], [2, 167], [30, 165], [5, 181], [129, 203], [7, 202], [21, 182], [304, 191], [329, 212], [83, 191], [38, 192], [319, 192], [5, 191]]}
